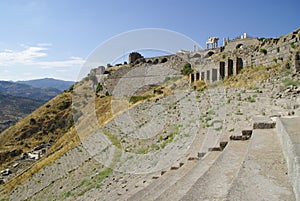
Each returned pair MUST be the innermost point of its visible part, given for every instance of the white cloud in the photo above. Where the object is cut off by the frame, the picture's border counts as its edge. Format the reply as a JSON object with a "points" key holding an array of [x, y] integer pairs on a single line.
{"points": [[35, 56]]}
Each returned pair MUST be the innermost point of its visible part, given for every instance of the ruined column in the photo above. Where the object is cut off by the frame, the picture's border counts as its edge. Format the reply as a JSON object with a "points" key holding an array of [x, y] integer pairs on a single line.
{"points": [[234, 66], [214, 75], [208, 76], [203, 76], [226, 69]]}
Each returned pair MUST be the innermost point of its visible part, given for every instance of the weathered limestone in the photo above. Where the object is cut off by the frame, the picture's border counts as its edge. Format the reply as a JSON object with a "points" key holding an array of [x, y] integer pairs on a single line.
{"points": [[262, 175], [289, 133]]}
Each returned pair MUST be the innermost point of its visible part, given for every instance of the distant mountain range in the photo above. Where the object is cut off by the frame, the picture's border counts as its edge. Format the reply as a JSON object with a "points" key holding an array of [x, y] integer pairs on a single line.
{"points": [[18, 99], [12, 109], [49, 83], [27, 91]]}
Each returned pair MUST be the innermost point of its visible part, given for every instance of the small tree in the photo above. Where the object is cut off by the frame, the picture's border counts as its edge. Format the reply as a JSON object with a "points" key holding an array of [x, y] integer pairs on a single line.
{"points": [[99, 88], [187, 69]]}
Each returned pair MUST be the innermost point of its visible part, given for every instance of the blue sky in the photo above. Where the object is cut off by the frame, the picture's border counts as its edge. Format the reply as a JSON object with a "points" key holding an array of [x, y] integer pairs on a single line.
{"points": [[53, 38]]}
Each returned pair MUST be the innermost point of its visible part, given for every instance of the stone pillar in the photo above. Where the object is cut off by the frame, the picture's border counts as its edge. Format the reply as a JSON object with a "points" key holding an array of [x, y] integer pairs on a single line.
{"points": [[203, 76], [226, 69], [208, 78], [234, 66], [214, 75]]}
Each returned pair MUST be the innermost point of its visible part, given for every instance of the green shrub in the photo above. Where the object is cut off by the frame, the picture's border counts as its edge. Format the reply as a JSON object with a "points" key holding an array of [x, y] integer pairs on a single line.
{"points": [[288, 82], [143, 150], [250, 99], [99, 88], [135, 99], [32, 121], [293, 45], [113, 139], [263, 50], [187, 69], [63, 105], [278, 49], [107, 93], [158, 91]]}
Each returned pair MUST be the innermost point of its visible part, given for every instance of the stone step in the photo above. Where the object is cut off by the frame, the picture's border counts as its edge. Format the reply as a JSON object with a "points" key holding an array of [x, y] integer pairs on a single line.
{"points": [[263, 173], [239, 137], [263, 123], [156, 185], [221, 147], [176, 189], [156, 188], [213, 183], [246, 135]]}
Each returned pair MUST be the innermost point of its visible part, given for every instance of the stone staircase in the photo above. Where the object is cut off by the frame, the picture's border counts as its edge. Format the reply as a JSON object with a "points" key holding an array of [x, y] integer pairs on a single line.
{"points": [[263, 172], [251, 166], [212, 183]]}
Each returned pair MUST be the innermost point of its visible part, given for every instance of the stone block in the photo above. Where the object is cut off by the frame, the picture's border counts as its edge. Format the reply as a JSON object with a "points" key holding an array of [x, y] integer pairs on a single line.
{"points": [[192, 158], [240, 137], [174, 168], [201, 154], [155, 177], [263, 123], [246, 132], [223, 144], [215, 149]]}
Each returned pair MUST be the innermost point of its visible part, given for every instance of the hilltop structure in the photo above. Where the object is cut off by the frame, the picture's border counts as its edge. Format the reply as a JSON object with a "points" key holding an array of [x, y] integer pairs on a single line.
{"points": [[216, 64]]}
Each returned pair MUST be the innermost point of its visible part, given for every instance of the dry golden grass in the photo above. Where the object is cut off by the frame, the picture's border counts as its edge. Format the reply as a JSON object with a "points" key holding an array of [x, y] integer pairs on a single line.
{"points": [[65, 143], [25, 135], [67, 140], [250, 76]]}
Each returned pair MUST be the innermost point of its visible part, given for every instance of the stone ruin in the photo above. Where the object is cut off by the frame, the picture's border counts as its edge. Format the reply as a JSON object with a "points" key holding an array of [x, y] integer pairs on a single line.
{"points": [[133, 56], [216, 64], [213, 42]]}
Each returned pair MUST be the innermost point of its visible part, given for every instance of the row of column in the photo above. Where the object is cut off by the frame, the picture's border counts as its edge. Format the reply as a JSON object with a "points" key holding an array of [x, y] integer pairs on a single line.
{"points": [[224, 70]]}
